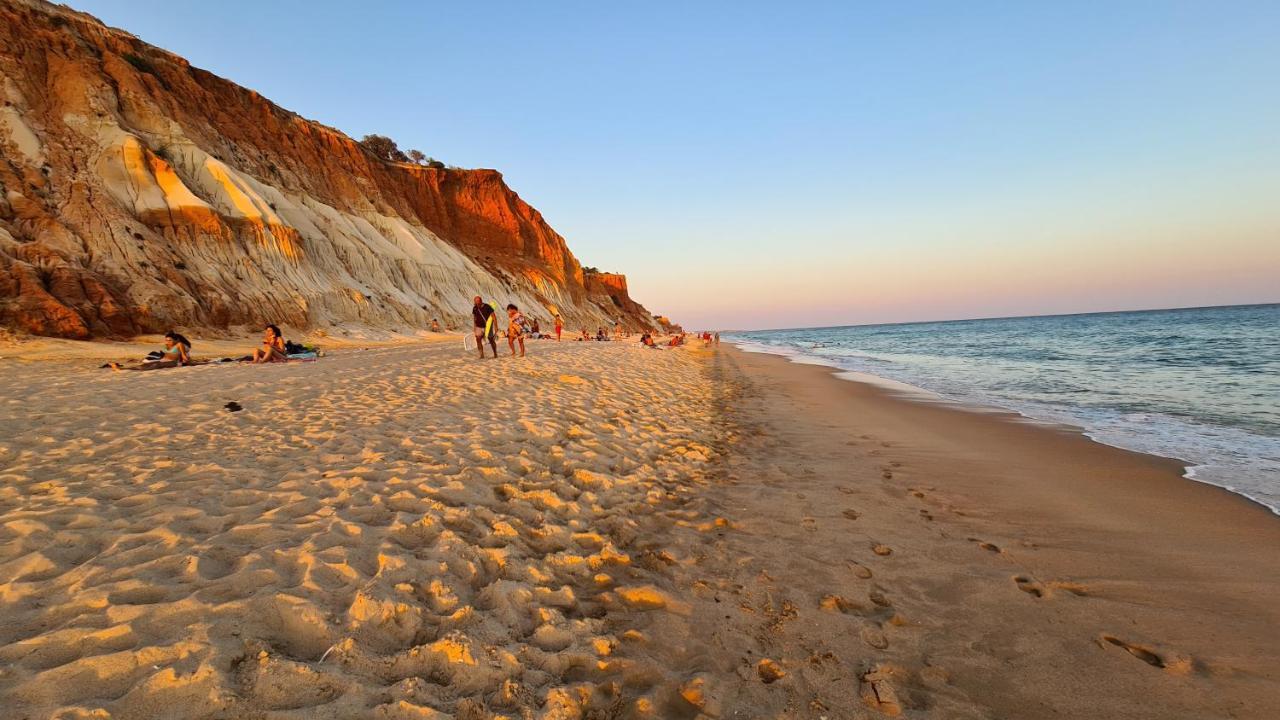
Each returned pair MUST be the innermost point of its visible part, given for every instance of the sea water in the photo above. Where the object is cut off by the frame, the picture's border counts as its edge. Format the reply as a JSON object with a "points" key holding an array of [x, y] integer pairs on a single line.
{"points": [[1201, 385]]}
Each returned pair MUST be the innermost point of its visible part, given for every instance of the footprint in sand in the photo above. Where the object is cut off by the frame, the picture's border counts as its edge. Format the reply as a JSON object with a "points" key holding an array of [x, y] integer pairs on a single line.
{"points": [[1164, 661], [1074, 588], [861, 571], [851, 513], [989, 547], [843, 605], [926, 515], [873, 637], [878, 691], [845, 490], [1029, 586], [887, 474], [1037, 589], [882, 550]]}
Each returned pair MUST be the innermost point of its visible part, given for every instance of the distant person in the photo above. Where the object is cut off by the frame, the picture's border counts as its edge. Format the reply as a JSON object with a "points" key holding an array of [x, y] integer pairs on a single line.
{"points": [[486, 326], [537, 330], [515, 329], [176, 352], [435, 325], [559, 326], [273, 349], [717, 338]]}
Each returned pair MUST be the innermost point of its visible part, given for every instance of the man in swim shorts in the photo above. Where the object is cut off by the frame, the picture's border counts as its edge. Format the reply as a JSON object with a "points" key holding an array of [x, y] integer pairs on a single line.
{"points": [[486, 326]]}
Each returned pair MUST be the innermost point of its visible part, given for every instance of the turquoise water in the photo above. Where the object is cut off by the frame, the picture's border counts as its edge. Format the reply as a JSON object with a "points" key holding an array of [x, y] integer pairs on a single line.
{"points": [[1201, 385]]}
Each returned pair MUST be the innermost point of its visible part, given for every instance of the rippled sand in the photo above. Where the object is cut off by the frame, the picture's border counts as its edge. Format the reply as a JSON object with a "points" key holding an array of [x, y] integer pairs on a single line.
{"points": [[378, 533], [598, 532]]}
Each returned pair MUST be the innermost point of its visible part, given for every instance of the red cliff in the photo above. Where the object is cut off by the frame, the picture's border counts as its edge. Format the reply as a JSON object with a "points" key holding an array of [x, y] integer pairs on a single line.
{"points": [[138, 193]]}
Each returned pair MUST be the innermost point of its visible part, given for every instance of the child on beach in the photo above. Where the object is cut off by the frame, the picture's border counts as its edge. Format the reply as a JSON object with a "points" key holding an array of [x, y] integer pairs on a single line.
{"points": [[515, 329], [559, 326], [177, 352]]}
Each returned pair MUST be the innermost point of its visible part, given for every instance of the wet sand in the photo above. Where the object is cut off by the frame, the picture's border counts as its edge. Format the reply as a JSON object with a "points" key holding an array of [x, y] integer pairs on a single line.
{"points": [[1026, 572], [600, 531]]}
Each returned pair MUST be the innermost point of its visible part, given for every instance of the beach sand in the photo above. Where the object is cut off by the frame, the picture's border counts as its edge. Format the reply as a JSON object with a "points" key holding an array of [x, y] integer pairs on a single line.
{"points": [[599, 531]]}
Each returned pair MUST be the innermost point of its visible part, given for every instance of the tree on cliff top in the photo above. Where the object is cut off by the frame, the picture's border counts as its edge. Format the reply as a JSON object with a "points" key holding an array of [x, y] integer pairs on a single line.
{"points": [[383, 148], [417, 156]]}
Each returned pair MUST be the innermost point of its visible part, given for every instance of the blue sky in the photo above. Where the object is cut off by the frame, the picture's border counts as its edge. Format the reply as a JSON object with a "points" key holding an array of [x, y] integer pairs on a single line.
{"points": [[768, 165]]}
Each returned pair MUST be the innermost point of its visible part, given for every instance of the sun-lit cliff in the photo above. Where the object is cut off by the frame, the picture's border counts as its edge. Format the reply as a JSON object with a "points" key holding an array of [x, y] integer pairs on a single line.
{"points": [[138, 193]]}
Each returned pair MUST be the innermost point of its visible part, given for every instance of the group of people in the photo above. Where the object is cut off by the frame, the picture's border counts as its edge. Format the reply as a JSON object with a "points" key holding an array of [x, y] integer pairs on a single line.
{"points": [[485, 322], [275, 349], [177, 352]]}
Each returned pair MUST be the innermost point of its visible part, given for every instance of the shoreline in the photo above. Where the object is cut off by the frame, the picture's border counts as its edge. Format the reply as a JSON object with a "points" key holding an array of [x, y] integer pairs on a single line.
{"points": [[916, 393], [1065, 548]]}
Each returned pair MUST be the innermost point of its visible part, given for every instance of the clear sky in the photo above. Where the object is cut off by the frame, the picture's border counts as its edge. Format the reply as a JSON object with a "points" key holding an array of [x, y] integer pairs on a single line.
{"points": [[753, 165]]}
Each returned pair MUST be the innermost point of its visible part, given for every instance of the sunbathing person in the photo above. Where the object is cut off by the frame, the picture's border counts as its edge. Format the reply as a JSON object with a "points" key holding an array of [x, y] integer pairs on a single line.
{"points": [[272, 350], [177, 352]]}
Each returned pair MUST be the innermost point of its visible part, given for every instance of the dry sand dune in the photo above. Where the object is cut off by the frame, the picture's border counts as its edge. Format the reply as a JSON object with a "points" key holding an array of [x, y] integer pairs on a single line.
{"points": [[601, 531]]}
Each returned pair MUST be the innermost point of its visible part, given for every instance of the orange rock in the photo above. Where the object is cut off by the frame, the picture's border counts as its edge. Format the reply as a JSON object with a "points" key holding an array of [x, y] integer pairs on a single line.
{"points": [[142, 193]]}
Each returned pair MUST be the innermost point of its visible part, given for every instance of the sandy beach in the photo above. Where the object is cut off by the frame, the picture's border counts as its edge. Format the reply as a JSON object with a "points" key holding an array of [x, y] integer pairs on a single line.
{"points": [[599, 530]]}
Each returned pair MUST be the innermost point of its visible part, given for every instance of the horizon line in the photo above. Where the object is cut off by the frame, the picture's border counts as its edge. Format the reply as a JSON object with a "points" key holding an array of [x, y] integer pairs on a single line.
{"points": [[1012, 317]]}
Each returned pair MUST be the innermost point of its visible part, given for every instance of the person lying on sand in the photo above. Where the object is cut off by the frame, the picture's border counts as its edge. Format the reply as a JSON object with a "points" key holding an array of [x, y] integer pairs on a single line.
{"points": [[272, 349], [177, 351], [515, 329]]}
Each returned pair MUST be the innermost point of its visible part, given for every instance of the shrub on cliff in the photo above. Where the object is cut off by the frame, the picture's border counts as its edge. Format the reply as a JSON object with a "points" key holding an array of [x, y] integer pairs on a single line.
{"points": [[139, 63], [416, 156], [383, 148]]}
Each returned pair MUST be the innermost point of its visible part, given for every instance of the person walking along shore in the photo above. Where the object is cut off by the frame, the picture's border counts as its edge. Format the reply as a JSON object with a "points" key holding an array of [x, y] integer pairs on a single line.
{"points": [[486, 326]]}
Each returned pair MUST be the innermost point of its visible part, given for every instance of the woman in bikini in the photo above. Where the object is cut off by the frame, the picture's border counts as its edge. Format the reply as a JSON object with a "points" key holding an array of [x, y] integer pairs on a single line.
{"points": [[272, 349], [515, 329], [176, 352]]}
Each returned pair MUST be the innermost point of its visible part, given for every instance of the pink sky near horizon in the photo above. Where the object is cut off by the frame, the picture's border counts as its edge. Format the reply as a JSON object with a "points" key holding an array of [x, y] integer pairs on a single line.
{"points": [[872, 284]]}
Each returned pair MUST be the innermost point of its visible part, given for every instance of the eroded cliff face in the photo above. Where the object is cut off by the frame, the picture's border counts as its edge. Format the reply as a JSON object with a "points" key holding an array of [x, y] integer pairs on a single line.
{"points": [[138, 193]]}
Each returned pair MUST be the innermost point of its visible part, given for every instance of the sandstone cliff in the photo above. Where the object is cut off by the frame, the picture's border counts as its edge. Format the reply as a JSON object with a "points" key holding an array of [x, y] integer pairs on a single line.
{"points": [[138, 193]]}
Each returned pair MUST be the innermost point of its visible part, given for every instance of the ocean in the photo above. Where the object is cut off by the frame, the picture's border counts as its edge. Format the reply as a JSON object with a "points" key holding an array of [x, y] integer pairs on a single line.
{"points": [[1201, 385]]}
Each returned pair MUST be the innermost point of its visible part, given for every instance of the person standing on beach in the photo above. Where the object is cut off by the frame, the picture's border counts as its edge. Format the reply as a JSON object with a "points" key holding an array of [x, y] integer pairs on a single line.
{"points": [[486, 326], [515, 329], [559, 326]]}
